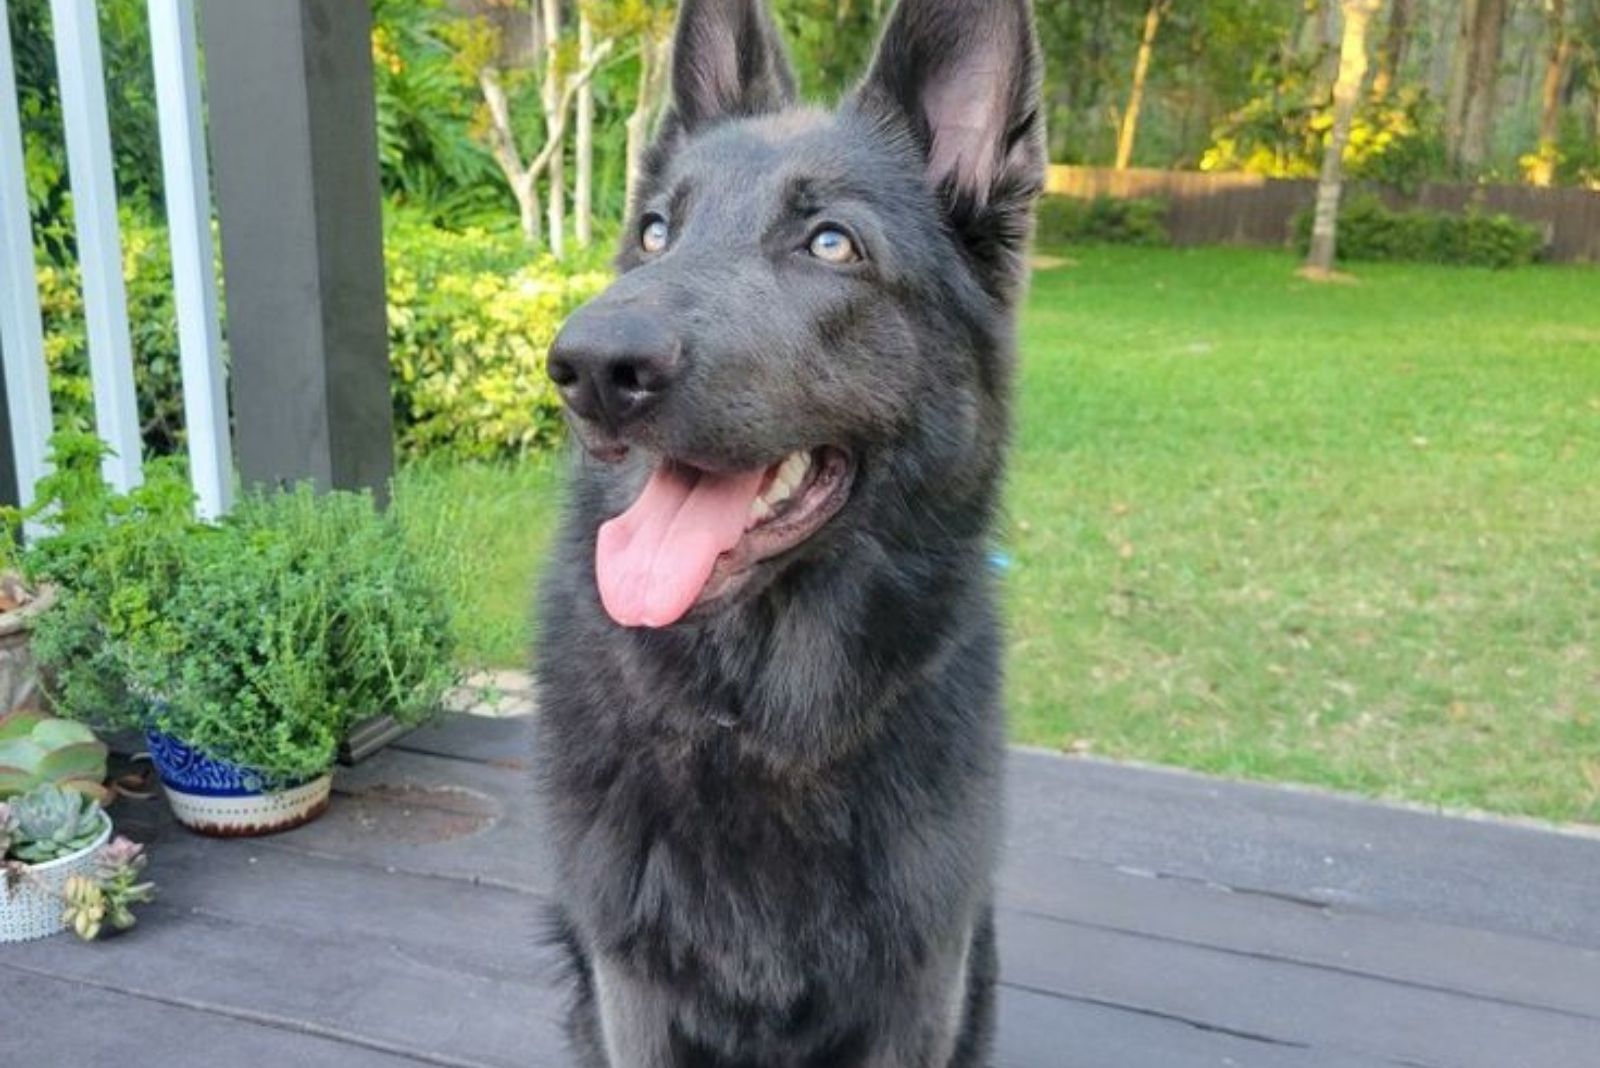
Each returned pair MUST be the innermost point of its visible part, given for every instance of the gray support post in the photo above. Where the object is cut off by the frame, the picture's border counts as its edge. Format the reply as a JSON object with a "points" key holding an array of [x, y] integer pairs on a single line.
{"points": [[294, 150]]}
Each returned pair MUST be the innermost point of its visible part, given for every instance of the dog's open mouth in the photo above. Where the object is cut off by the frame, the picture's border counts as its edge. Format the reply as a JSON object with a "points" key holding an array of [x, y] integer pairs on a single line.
{"points": [[693, 535]]}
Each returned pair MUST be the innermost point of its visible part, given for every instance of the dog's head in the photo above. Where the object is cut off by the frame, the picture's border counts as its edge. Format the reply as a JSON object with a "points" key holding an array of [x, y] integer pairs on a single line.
{"points": [[810, 334]]}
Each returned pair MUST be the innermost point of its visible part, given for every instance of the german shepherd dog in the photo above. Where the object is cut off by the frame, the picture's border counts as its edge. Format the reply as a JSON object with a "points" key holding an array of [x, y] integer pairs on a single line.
{"points": [[770, 733]]}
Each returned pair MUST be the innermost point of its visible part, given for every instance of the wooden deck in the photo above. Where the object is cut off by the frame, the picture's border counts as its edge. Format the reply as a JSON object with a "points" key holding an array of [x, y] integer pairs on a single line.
{"points": [[1150, 919]]}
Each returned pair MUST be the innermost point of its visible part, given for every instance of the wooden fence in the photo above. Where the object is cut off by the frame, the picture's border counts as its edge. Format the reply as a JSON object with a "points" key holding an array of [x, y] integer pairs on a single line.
{"points": [[1247, 209]]}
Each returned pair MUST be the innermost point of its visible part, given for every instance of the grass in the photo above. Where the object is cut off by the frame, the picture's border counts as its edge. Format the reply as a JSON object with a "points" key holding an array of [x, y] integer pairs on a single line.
{"points": [[1344, 535], [495, 521]]}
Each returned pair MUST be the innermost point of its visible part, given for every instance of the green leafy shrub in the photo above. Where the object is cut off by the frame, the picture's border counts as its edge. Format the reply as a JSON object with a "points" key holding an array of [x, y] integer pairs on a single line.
{"points": [[295, 617], [1102, 220], [114, 560], [471, 314], [259, 640], [1368, 230]]}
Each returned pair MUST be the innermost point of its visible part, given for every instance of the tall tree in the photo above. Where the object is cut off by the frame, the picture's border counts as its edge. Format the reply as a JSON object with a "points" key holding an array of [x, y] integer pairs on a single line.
{"points": [[1154, 13], [1346, 91], [1555, 76], [654, 46], [1396, 42], [1483, 31], [583, 150], [498, 44], [555, 123]]}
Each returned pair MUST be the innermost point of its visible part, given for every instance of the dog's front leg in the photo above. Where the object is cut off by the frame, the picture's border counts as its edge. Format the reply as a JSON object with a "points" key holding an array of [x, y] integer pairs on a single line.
{"points": [[635, 1018], [926, 1018]]}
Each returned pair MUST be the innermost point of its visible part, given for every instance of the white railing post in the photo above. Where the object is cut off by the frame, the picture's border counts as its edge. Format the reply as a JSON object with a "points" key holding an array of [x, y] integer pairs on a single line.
{"points": [[94, 206], [21, 329], [185, 173]]}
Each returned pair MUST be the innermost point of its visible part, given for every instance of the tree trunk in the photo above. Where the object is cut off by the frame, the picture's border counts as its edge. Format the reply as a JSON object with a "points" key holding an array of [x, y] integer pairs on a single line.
{"points": [[1441, 17], [1346, 91], [1543, 171], [583, 192], [652, 79], [1455, 114], [1141, 72], [1482, 83], [526, 190], [523, 181], [554, 125], [1396, 42]]}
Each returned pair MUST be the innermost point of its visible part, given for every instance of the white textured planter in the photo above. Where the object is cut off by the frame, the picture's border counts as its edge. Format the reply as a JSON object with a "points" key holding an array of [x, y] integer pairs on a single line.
{"points": [[250, 814], [29, 910]]}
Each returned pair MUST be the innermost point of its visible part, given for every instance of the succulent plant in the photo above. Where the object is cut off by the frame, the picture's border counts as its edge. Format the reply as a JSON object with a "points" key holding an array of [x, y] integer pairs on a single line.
{"points": [[8, 827], [37, 749], [106, 899], [51, 823]]}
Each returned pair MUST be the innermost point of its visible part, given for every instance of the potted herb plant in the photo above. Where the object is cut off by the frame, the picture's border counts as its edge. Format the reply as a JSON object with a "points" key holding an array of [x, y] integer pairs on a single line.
{"points": [[244, 650], [297, 616], [112, 560]]}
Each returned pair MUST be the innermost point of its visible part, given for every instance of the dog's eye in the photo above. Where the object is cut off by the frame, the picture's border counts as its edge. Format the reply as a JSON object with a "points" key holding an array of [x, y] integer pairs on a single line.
{"points": [[654, 233], [833, 246]]}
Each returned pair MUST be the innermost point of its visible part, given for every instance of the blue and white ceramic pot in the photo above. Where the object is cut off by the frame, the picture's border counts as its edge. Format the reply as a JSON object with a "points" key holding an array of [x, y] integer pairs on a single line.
{"points": [[225, 800]]}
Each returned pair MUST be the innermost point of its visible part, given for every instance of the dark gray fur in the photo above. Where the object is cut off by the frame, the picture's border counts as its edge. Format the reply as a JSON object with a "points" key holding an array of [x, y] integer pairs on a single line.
{"points": [[776, 822]]}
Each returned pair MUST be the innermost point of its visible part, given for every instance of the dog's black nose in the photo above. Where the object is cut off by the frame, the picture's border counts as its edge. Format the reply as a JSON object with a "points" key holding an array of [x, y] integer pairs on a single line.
{"points": [[613, 365]]}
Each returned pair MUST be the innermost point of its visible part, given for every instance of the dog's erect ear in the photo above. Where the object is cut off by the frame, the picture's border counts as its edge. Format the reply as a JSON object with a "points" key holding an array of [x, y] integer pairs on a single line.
{"points": [[727, 61], [964, 74]]}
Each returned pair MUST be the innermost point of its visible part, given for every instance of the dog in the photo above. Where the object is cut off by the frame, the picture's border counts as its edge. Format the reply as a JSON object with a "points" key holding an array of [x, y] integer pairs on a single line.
{"points": [[770, 741]]}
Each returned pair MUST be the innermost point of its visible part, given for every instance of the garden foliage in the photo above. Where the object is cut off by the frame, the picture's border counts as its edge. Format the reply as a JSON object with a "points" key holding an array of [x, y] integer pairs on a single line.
{"points": [[1368, 230], [258, 640], [1102, 220], [471, 314]]}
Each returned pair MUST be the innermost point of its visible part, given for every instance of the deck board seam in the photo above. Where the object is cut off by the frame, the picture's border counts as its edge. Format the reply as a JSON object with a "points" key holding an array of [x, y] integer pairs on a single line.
{"points": [[1296, 962], [259, 1019], [1352, 907], [538, 896], [1202, 1025]]}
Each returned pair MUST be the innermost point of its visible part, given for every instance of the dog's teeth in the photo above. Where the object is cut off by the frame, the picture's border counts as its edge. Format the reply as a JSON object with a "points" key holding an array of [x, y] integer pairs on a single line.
{"points": [[794, 468], [785, 481]]}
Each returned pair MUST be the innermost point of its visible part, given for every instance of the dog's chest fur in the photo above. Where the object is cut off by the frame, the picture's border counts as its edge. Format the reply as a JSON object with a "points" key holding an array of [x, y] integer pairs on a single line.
{"points": [[769, 892]]}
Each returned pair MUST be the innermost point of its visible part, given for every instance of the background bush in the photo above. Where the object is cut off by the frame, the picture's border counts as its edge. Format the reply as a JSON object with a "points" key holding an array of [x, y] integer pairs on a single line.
{"points": [[471, 313], [1370, 231], [1102, 220], [147, 273]]}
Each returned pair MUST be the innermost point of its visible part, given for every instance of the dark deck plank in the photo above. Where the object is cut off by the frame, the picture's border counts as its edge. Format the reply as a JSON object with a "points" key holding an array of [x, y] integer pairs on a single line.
{"points": [[1149, 918], [1533, 972], [47, 1022], [1398, 862], [1287, 1004], [1043, 1031]]}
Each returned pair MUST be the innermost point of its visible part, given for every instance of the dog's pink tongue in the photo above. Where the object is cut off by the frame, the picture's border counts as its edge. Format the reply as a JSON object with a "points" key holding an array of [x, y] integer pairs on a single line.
{"points": [[653, 560]]}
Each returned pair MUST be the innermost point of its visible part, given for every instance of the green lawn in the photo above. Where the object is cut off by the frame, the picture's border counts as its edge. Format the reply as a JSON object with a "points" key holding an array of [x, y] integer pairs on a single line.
{"points": [[1341, 534]]}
